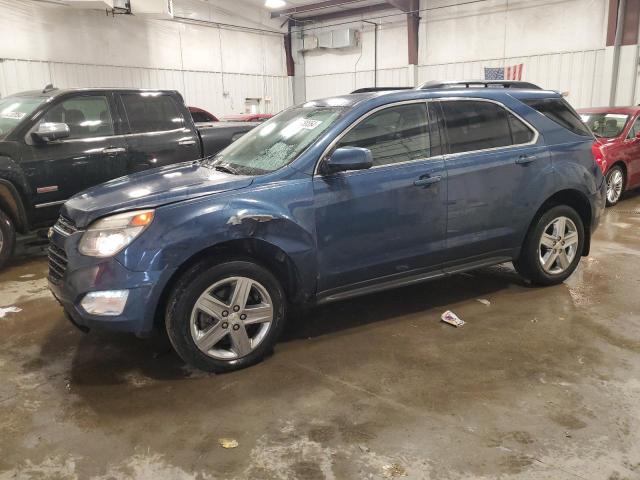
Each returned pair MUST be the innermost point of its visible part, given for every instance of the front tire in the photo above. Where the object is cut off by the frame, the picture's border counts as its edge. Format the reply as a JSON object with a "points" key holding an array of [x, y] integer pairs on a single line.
{"points": [[7, 238], [615, 179], [226, 316], [553, 247]]}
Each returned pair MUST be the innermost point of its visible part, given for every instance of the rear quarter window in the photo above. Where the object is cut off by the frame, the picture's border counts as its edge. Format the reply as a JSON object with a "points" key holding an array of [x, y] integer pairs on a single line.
{"points": [[558, 110]]}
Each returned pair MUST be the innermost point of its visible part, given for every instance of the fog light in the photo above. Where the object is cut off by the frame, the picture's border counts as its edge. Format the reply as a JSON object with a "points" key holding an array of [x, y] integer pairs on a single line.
{"points": [[107, 302]]}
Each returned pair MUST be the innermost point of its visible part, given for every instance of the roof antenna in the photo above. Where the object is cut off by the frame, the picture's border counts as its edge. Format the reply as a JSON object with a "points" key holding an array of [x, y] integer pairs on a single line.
{"points": [[48, 88]]}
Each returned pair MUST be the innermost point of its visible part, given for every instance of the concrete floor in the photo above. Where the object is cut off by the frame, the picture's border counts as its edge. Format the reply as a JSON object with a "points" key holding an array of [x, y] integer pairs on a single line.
{"points": [[540, 384]]}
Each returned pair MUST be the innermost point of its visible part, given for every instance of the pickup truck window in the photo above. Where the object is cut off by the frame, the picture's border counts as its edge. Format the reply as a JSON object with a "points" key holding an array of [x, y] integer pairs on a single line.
{"points": [[13, 110], [87, 116], [278, 141], [395, 134], [151, 112]]}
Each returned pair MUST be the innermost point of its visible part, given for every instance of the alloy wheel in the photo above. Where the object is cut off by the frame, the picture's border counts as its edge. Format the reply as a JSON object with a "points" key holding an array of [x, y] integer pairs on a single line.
{"points": [[231, 318], [615, 181], [558, 245]]}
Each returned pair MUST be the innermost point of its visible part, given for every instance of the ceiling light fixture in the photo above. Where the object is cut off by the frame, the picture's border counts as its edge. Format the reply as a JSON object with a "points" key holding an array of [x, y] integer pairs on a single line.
{"points": [[274, 3]]}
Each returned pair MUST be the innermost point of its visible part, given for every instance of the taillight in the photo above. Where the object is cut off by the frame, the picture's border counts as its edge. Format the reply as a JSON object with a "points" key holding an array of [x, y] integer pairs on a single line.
{"points": [[598, 156]]}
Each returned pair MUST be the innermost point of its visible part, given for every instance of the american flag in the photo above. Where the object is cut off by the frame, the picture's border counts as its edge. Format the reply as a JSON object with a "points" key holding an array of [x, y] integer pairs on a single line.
{"points": [[499, 73]]}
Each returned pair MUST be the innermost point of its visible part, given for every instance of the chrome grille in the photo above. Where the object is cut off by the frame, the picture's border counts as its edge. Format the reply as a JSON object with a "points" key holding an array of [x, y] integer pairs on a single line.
{"points": [[65, 226], [57, 263]]}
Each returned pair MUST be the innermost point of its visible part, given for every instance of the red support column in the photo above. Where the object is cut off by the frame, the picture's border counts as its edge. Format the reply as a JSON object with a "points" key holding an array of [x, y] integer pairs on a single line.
{"points": [[289, 55], [413, 23]]}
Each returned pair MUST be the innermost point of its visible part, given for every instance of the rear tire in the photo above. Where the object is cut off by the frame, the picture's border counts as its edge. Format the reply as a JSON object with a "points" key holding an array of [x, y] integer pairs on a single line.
{"points": [[7, 238], [616, 180], [226, 316], [553, 247]]}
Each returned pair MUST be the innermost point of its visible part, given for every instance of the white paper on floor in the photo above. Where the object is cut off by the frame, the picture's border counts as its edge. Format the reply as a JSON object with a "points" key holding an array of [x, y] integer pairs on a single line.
{"points": [[5, 310]]}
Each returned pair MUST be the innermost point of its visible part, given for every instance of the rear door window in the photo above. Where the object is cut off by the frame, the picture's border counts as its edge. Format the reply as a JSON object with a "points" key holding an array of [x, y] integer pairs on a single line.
{"points": [[151, 112], [520, 133], [558, 110], [86, 116], [476, 125]]}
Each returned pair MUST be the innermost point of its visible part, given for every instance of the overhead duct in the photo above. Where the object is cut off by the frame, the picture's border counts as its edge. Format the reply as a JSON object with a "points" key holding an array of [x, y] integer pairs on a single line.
{"points": [[90, 4], [152, 8], [341, 38]]}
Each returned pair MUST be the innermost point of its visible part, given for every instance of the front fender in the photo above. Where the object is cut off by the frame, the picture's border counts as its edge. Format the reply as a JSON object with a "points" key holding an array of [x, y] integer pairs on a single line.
{"points": [[13, 196], [280, 215]]}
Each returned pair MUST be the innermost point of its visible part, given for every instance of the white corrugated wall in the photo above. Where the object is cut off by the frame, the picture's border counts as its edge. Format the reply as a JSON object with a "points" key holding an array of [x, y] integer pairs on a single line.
{"points": [[202, 89], [561, 44], [214, 68], [579, 74], [340, 83]]}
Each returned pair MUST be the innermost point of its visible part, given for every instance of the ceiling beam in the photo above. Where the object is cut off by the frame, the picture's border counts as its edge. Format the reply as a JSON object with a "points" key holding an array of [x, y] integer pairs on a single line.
{"points": [[312, 7], [369, 9], [404, 5]]}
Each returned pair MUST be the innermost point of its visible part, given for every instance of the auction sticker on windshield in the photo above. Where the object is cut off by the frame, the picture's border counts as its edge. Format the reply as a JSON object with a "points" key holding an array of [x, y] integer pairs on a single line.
{"points": [[14, 115], [309, 124]]}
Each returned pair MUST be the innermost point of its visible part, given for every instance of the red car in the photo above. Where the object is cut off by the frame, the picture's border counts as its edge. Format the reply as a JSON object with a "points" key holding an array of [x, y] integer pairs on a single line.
{"points": [[617, 130], [248, 117], [202, 116]]}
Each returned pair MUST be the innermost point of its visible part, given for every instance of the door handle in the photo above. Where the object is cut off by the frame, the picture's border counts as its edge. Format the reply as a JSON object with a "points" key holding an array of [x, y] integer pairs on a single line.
{"points": [[524, 159], [426, 181], [187, 142], [113, 150]]}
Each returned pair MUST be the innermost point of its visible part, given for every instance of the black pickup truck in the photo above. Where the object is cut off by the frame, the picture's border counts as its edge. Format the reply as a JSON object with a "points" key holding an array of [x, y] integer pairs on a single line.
{"points": [[55, 143]]}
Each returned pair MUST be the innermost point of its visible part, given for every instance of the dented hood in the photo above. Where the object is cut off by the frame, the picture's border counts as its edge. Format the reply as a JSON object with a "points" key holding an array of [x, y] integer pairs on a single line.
{"points": [[150, 189]]}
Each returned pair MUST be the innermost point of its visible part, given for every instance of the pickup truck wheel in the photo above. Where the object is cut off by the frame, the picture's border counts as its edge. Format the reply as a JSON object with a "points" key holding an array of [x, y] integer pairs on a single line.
{"points": [[615, 185], [7, 238], [553, 247], [226, 316]]}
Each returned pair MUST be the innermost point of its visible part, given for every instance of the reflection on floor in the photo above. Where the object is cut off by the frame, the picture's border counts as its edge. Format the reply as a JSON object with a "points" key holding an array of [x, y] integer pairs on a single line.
{"points": [[540, 383]]}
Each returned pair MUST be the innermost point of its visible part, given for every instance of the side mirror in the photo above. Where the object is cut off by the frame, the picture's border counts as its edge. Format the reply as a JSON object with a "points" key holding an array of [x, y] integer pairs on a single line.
{"points": [[50, 131], [637, 134], [348, 158]]}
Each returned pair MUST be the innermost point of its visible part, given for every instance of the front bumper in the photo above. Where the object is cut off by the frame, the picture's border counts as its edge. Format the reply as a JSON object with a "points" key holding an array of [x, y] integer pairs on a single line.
{"points": [[72, 278]]}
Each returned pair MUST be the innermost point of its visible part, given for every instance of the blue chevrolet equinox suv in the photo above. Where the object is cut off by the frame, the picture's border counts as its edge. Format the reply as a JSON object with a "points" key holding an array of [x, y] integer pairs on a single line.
{"points": [[328, 200]]}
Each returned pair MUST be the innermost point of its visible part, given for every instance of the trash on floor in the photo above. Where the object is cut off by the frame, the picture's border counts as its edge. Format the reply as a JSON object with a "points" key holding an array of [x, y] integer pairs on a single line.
{"points": [[5, 310], [394, 470], [484, 301], [228, 442], [452, 319]]}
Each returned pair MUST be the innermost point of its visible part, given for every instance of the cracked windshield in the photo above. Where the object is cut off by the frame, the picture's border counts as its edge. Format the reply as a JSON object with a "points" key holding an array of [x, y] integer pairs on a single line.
{"points": [[277, 142]]}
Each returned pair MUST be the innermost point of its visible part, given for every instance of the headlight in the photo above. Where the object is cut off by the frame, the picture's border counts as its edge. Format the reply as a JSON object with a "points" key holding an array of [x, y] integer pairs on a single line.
{"points": [[109, 235]]}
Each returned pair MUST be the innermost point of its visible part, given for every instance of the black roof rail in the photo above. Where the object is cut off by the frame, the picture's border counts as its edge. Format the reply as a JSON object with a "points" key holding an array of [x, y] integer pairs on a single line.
{"points": [[436, 85], [380, 89]]}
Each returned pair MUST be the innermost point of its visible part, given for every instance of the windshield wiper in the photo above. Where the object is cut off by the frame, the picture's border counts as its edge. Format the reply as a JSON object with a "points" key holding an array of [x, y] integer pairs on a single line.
{"points": [[225, 167]]}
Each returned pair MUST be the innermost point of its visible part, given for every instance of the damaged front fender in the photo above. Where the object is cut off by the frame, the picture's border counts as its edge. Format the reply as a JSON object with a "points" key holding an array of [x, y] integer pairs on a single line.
{"points": [[281, 220]]}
